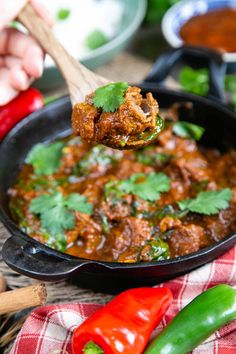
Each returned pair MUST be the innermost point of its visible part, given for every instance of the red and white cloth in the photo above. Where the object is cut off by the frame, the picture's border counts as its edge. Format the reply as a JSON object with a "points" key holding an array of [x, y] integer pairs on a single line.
{"points": [[48, 329]]}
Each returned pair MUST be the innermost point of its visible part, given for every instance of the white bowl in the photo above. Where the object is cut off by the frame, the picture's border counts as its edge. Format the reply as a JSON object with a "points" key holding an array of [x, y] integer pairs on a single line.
{"points": [[181, 12]]}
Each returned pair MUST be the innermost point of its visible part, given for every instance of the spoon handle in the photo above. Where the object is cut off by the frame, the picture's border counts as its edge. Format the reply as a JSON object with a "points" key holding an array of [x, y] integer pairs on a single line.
{"points": [[80, 80]]}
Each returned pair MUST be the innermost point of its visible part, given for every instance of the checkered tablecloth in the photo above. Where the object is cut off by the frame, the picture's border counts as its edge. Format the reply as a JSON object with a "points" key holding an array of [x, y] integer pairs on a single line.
{"points": [[49, 328]]}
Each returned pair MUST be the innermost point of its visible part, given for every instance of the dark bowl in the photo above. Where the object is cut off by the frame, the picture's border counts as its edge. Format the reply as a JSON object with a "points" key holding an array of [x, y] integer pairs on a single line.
{"points": [[29, 257]]}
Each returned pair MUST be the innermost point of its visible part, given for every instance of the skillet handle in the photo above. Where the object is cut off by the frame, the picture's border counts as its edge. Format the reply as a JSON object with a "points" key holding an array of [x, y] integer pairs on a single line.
{"points": [[38, 261], [202, 57]]}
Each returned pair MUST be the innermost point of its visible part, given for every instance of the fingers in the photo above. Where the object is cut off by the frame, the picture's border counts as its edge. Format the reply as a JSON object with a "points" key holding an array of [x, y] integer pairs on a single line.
{"points": [[18, 78], [21, 59], [33, 61], [7, 92], [22, 46]]}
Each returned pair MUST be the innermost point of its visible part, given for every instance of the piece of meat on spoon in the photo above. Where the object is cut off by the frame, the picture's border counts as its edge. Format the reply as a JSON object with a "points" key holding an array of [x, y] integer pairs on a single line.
{"points": [[134, 124]]}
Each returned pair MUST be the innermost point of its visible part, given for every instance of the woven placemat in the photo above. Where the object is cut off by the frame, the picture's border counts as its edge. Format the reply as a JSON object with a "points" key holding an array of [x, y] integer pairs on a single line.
{"points": [[124, 67]]}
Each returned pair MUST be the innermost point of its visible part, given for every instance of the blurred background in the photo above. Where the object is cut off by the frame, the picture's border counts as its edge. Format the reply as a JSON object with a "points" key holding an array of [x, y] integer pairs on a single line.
{"points": [[122, 39]]}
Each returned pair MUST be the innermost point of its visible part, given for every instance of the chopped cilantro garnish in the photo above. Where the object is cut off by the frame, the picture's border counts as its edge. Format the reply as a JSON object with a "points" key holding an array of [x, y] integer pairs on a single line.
{"points": [[159, 250], [149, 157], [207, 203], [45, 159], [78, 202], [63, 14], [113, 192], [100, 157], [105, 223], [111, 96], [146, 186], [56, 210], [168, 210], [188, 130], [195, 81], [57, 241], [96, 39]]}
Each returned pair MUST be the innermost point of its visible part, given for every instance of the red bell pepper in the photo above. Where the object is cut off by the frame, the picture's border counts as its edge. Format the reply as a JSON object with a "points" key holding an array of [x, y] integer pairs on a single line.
{"points": [[124, 325], [13, 112]]}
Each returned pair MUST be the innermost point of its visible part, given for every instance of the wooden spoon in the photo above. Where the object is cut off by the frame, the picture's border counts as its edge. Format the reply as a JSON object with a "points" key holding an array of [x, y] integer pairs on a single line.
{"points": [[80, 80]]}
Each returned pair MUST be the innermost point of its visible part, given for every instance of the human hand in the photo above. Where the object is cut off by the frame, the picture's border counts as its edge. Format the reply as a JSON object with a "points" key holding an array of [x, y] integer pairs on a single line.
{"points": [[21, 59]]}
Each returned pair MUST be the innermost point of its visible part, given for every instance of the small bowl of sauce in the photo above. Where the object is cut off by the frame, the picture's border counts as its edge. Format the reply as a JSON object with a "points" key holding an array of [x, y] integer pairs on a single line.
{"points": [[207, 23]]}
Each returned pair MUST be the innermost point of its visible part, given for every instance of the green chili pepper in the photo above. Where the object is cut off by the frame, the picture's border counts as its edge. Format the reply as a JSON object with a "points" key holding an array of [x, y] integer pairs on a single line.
{"points": [[196, 322]]}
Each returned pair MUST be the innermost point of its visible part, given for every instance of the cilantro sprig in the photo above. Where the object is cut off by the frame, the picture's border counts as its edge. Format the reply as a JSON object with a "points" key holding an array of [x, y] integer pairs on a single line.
{"points": [[45, 159], [110, 97], [145, 186], [56, 210], [207, 203], [195, 81], [188, 130]]}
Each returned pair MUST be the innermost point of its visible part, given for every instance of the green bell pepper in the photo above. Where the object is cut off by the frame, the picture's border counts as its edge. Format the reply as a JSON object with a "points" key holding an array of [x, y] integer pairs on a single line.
{"points": [[196, 322]]}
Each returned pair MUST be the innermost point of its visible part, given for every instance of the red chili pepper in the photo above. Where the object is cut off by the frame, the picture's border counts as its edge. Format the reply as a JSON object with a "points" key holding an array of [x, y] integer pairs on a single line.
{"points": [[125, 324], [24, 104]]}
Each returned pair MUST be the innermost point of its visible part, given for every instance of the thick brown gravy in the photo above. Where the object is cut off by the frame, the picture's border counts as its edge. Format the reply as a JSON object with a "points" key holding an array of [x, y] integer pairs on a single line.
{"points": [[125, 227], [216, 29]]}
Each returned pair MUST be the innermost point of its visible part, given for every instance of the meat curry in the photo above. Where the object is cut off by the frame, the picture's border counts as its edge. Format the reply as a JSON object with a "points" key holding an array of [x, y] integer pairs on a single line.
{"points": [[169, 199], [118, 116]]}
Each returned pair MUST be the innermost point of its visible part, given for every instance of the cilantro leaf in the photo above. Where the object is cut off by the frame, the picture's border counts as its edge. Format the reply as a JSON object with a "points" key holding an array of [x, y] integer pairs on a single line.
{"points": [[63, 14], [55, 216], [146, 186], [195, 81], [79, 202], [45, 159], [96, 39], [56, 210], [110, 97], [207, 203], [188, 130]]}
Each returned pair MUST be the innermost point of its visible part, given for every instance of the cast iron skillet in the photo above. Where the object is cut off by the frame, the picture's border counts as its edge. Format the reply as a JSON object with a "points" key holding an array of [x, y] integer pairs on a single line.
{"points": [[29, 257]]}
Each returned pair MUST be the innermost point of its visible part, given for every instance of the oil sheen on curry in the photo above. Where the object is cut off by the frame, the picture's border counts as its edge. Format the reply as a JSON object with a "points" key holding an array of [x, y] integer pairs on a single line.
{"points": [[118, 116], [169, 199]]}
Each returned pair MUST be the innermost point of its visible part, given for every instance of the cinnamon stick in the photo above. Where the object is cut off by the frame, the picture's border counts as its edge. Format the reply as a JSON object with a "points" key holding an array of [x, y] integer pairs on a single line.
{"points": [[3, 283], [19, 299]]}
